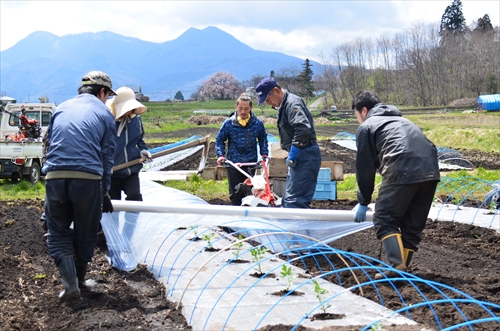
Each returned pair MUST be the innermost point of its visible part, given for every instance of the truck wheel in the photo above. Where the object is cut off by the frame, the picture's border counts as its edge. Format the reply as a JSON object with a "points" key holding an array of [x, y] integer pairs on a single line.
{"points": [[34, 173]]}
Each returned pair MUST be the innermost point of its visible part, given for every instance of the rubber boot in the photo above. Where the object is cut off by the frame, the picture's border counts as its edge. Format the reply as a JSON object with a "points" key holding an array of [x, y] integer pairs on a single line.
{"points": [[408, 254], [393, 246], [81, 271], [68, 278]]}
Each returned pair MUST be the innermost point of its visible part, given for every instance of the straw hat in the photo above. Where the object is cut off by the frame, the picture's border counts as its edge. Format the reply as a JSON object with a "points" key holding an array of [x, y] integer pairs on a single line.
{"points": [[125, 101]]}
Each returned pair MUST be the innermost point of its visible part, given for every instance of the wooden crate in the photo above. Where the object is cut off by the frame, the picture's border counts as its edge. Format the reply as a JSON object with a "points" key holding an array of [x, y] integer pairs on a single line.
{"points": [[278, 185], [209, 173], [277, 163], [221, 172], [336, 167]]}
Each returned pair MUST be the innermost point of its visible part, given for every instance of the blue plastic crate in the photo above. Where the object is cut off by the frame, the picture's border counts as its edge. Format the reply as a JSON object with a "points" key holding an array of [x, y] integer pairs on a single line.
{"points": [[325, 190], [324, 174]]}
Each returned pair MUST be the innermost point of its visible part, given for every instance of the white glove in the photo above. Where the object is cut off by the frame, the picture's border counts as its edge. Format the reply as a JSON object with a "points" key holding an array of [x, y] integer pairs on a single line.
{"points": [[146, 155]]}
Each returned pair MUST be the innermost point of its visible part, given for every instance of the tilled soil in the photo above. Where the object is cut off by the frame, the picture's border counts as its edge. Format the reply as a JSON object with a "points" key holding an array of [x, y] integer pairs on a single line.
{"points": [[464, 257]]}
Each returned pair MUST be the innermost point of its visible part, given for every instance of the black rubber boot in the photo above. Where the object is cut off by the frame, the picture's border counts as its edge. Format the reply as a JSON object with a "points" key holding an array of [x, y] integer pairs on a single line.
{"points": [[68, 278], [81, 271], [393, 246]]}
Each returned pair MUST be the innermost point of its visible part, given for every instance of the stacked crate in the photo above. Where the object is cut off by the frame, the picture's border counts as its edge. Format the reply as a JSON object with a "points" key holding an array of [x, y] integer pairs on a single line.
{"points": [[326, 189]]}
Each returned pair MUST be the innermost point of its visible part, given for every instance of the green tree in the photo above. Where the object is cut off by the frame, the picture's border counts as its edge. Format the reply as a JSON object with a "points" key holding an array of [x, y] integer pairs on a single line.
{"points": [[484, 24], [305, 80], [452, 23], [179, 96]]}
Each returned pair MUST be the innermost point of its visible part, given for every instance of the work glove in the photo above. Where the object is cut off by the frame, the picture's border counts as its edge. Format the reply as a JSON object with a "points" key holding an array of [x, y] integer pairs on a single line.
{"points": [[291, 160], [107, 207], [220, 160], [146, 155], [44, 169], [265, 158], [360, 213]]}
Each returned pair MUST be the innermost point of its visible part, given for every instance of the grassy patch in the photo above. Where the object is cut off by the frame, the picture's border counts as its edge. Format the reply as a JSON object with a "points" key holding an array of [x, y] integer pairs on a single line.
{"points": [[22, 190]]}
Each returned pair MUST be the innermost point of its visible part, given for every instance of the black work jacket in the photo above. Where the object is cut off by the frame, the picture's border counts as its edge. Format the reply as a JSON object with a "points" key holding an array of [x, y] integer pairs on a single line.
{"points": [[295, 123], [395, 147]]}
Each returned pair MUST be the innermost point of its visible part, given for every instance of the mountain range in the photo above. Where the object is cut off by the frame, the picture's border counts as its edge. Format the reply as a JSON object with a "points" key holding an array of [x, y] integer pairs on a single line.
{"points": [[46, 65]]}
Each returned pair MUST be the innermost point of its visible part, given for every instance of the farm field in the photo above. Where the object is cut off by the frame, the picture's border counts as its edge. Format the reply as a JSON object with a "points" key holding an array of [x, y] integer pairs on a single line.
{"points": [[462, 256]]}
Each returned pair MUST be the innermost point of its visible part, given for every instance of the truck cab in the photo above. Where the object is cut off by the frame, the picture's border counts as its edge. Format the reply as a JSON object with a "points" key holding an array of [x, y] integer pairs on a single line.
{"points": [[23, 159], [42, 112]]}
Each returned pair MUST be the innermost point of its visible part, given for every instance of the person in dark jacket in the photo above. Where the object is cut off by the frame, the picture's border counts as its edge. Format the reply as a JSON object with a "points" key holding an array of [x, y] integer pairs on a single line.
{"points": [[298, 138], [408, 163], [81, 144], [242, 131], [130, 144]]}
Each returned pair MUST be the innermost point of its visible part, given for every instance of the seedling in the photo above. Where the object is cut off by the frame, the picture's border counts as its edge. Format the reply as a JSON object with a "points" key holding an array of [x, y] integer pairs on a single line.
{"points": [[195, 229], [208, 238], [320, 292], [238, 246], [40, 276], [377, 326], [258, 256], [288, 275]]}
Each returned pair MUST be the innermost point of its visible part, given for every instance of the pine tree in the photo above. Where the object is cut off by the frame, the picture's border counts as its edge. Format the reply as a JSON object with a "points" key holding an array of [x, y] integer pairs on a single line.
{"points": [[484, 24], [179, 96], [305, 80], [452, 23]]}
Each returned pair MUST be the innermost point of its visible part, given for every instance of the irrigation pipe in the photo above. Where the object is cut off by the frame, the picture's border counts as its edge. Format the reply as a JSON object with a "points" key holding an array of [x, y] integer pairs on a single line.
{"points": [[256, 236], [240, 211]]}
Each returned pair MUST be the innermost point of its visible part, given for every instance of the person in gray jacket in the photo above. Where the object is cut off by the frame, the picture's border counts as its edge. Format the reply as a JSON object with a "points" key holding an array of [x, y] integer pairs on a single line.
{"points": [[408, 163], [298, 138], [81, 144]]}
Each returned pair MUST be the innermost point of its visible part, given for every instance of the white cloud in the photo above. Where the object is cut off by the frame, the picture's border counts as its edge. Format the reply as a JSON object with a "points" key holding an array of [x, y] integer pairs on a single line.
{"points": [[298, 28]]}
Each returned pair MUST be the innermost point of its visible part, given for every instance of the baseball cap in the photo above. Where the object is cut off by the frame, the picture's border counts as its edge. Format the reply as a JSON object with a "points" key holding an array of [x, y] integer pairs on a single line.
{"points": [[98, 78], [264, 87]]}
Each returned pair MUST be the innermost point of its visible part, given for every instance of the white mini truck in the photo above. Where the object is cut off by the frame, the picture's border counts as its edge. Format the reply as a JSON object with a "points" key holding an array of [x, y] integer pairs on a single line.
{"points": [[22, 159]]}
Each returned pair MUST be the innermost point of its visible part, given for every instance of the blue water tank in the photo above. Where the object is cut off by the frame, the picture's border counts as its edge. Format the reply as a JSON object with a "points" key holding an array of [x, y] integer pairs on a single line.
{"points": [[490, 102]]}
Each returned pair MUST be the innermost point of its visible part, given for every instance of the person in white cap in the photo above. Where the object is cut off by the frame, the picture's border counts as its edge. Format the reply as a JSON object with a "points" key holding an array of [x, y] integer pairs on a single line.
{"points": [[130, 144], [79, 160]]}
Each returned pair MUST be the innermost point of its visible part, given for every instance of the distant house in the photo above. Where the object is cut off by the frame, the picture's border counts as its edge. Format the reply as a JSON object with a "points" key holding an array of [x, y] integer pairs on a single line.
{"points": [[137, 90]]}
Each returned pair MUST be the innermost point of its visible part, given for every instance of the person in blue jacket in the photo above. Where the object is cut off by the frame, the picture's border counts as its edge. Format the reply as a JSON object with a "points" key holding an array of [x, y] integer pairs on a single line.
{"points": [[81, 145], [130, 144], [242, 131], [298, 138]]}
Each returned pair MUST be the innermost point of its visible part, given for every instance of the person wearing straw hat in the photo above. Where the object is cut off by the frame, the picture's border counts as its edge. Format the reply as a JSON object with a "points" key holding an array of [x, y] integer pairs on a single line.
{"points": [[79, 161], [130, 144]]}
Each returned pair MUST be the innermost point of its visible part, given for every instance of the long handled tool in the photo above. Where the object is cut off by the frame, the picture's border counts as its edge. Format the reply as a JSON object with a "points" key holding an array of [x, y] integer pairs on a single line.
{"points": [[202, 141]]}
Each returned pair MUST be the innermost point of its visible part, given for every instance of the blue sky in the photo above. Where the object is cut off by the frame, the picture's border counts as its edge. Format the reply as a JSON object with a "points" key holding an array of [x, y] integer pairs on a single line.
{"points": [[306, 29]]}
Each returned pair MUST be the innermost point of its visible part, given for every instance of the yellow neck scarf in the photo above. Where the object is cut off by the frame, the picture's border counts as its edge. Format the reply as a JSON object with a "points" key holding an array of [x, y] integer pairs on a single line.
{"points": [[243, 122]]}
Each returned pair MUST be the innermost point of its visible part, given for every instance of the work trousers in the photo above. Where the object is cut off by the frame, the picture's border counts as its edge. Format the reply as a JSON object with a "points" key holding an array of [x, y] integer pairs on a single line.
{"points": [[403, 208], [129, 185], [235, 177], [301, 179], [78, 201]]}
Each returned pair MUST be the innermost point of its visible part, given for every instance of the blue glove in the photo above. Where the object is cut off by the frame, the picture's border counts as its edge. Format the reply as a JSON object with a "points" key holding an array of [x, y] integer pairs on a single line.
{"points": [[360, 215], [291, 160]]}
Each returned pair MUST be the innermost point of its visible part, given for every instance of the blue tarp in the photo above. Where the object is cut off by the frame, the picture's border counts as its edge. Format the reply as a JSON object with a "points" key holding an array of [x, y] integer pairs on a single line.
{"points": [[489, 102]]}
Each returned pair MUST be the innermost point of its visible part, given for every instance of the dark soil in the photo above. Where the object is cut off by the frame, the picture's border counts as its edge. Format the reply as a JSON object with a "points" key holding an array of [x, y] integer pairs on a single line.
{"points": [[462, 256]]}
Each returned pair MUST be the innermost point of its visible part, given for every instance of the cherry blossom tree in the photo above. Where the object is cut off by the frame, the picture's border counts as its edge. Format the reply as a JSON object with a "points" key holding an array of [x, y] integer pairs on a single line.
{"points": [[221, 86]]}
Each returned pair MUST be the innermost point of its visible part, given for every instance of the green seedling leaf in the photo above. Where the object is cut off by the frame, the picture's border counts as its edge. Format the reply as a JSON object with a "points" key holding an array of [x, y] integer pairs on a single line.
{"points": [[238, 246], [320, 293], [258, 255], [208, 238], [288, 275]]}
